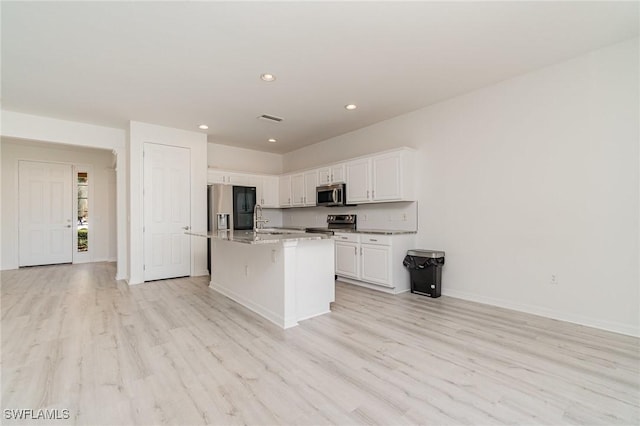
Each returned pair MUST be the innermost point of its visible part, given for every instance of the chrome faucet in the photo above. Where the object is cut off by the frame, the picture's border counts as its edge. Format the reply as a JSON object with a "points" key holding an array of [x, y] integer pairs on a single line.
{"points": [[258, 220]]}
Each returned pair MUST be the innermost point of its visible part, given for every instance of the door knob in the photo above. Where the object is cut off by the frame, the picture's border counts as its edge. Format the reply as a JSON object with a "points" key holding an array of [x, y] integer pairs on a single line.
{"points": [[186, 228], [68, 226]]}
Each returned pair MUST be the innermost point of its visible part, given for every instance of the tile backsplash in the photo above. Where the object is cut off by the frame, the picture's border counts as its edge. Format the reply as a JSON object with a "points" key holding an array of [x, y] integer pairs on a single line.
{"points": [[390, 216]]}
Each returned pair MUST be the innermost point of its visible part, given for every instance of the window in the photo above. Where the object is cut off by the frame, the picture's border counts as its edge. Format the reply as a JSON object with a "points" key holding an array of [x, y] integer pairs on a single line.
{"points": [[83, 212]]}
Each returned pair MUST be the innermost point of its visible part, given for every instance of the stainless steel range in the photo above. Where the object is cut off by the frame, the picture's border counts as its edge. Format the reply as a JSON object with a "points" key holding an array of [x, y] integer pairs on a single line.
{"points": [[337, 222]]}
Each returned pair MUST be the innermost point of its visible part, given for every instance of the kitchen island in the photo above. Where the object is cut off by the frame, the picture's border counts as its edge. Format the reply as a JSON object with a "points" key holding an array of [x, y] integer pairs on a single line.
{"points": [[284, 277]]}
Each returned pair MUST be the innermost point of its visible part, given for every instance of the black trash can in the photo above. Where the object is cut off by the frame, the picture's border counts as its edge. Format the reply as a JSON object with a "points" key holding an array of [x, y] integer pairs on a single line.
{"points": [[425, 269]]}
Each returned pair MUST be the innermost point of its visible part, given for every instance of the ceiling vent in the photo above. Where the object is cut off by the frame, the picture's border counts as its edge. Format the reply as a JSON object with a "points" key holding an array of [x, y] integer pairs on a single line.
{"points": [[271, 118]]}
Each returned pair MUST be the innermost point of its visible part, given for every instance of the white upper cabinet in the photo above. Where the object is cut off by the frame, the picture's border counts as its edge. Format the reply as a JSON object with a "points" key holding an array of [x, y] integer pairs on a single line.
{"points": [[331, 174], [381, 178], [216, 176], [267, 186], [386, 172], [358, 179], [268, 191], [378, 178], [310, 184], [230, 178], [284, 188], [303, 188], [297, 190]]}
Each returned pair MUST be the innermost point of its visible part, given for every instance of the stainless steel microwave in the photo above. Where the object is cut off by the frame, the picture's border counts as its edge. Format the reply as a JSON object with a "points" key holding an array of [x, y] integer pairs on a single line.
{"points": [[331, 195]]}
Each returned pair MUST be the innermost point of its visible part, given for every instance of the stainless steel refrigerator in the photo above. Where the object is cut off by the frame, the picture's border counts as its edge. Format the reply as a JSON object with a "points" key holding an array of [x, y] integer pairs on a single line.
{"points": [[229, 208], [244, 202]]}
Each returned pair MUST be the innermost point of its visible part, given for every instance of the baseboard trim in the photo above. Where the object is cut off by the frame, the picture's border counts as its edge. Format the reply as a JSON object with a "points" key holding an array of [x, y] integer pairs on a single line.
{"points": [[381, 288], [260, 310], [612, 326], [200, 273]]}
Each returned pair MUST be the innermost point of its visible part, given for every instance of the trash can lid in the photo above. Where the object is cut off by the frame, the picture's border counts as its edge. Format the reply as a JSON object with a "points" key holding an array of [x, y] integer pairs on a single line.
{"points": [[425, 253]]}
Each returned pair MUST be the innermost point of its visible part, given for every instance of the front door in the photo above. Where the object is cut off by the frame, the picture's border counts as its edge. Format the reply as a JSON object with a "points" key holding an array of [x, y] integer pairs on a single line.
{"points": [[166, 205], [46, 213]]}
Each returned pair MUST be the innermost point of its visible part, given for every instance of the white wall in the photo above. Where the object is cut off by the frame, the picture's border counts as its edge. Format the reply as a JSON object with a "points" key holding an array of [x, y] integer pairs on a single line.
{"points": [[243, 160], [535, 176], [102, 243], [139, 133], [45, 129]]}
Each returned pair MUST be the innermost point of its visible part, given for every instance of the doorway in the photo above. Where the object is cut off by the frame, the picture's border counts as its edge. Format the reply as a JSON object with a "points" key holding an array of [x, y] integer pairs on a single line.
{"points": [[45, 230], [167, 211]]}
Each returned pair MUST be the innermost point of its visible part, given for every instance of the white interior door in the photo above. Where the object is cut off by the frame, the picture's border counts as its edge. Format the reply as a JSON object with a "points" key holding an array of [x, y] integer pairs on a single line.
{"points": [[46, 213], [167, 210]]}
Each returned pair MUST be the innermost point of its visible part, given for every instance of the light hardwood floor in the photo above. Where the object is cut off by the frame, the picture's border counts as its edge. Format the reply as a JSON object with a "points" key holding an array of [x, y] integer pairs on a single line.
{"points": [[175, 352]]}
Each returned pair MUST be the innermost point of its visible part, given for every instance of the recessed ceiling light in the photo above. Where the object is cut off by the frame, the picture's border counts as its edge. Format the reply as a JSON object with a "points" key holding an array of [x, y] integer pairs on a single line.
{"points": [[203, 127], [351, 107], [272, 140], [268, 77]]}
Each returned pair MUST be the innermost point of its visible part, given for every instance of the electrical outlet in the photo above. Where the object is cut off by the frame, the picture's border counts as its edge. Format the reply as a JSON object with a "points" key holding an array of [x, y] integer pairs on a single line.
{"points": [[246, 270], [364, 217], [404, 217], [554, 279]]}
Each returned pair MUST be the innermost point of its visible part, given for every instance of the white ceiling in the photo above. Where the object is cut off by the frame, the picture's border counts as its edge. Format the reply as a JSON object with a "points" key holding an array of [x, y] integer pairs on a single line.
{"points": [[180, 64]]}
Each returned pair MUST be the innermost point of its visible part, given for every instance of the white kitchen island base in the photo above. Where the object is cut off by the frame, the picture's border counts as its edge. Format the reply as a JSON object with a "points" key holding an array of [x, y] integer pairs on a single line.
{"points": [[285, 281]]}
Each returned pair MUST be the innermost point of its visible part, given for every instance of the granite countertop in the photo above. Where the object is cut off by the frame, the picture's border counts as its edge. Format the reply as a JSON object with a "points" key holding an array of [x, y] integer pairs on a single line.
{"points": [[290, 233], [357, 231], [250, 237]]}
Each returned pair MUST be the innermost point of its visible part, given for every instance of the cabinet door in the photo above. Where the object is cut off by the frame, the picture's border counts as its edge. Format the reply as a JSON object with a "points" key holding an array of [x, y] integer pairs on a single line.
{"points": [[358, 181], [297, 190], [258, 182], [347, 259], [310, 184], [239, 179], [216, 176], [285, 191], [337, 173], [324, 176], [270, 191], [376, 264], [386, 177]]}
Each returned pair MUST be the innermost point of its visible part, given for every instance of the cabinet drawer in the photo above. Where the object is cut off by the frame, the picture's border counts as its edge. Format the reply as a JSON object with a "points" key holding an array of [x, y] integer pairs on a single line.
{"points": [[383, 240], [352, 238]]}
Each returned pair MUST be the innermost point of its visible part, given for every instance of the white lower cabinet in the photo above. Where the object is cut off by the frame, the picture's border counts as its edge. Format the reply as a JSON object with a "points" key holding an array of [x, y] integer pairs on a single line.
{"points": [[373, 261], [375, 265], [347, 260]]}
